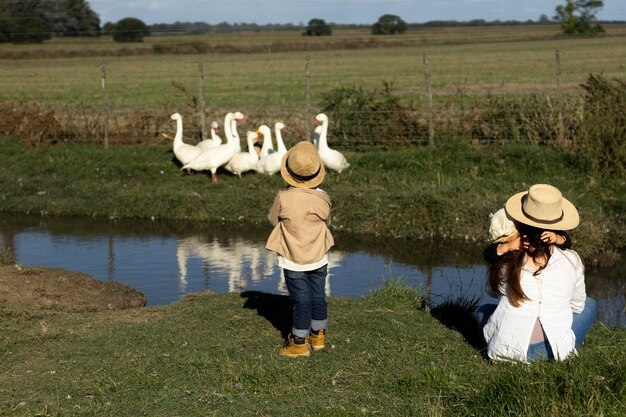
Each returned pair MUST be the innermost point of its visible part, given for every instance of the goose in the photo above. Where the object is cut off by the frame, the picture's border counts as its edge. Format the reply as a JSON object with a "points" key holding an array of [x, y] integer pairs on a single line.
{"points": [[244, 161], [332, 159], [214, 141], [217, 156], [316, 135], [184, 152], [233, 129], [266, 149], [278, 128], [272, 162]]}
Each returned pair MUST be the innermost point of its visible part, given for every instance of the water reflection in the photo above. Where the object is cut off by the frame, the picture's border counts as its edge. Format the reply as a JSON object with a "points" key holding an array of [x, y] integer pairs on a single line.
{"points": [[168, 260], [242, 262]]}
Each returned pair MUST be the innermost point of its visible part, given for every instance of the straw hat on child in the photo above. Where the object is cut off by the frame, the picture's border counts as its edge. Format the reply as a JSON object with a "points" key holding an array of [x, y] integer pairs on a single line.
{"points": [[302, 167], [543, 206]]}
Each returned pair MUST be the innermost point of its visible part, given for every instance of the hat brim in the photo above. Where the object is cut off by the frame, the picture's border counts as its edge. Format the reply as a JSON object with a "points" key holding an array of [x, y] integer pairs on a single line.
{"points": [[310, 183], [569, 220]]}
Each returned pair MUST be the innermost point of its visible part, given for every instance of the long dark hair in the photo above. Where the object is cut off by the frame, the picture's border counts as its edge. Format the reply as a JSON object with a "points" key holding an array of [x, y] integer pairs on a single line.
{"points": [[509, 267]]}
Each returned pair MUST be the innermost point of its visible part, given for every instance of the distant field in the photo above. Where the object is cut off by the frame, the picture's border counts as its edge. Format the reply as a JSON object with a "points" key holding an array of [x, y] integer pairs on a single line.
{"points": [[270, 74]]}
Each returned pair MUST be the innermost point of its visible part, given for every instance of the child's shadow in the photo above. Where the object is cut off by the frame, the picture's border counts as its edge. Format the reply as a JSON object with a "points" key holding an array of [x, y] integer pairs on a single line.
{"points": [[277, 309]]}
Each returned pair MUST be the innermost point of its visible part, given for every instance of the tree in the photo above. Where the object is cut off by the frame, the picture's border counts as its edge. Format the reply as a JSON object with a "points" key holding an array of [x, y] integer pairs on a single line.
{"points": [[38, 20], [22, 22], [318, 27], [543, 19], [130, 29], [108, 29], [389, 24], [29, 30], [81, 20], [70, 17], [579, 16]]}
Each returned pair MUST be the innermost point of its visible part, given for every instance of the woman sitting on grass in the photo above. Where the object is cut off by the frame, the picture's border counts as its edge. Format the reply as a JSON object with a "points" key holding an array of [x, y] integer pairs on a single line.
{"points": [[543, 311]]}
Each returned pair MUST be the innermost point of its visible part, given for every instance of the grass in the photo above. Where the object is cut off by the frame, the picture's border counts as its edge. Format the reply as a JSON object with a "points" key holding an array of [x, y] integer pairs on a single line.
{"points": [[443, 192], [217, 355], [474, 61]]}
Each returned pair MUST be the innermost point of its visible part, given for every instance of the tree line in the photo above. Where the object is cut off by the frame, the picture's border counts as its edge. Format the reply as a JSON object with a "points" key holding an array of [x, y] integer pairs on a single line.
{"points": [[34, 21]]}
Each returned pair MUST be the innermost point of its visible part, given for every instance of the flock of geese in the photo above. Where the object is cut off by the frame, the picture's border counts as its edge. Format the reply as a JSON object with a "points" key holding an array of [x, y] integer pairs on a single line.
{"points": [[211, 154]]}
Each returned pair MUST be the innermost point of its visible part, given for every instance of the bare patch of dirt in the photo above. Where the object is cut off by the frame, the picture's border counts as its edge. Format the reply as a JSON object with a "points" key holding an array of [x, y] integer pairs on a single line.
{"points": [[62, 290]]}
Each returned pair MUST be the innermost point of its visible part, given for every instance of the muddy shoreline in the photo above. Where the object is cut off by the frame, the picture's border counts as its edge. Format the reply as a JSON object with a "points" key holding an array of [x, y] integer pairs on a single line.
{"points": [[55, 289]]}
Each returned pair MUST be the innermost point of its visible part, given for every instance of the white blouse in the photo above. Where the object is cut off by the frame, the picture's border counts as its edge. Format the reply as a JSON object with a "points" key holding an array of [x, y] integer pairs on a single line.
{"points": [[556, 293]]}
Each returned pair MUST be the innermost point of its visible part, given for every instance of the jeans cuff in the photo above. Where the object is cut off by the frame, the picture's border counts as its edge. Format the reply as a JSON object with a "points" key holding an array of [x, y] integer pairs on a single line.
{"points": [[300, 332], [319, 324]]}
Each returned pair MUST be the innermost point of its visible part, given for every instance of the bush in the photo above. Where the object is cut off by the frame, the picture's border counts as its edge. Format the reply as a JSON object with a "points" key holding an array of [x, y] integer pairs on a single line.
{"points": [[603, 126], [130, 29], [532, 119], [361, 118]]}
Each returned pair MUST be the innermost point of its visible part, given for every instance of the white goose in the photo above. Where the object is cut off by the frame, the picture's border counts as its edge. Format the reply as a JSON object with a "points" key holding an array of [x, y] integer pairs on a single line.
{"points": [[332, 158], [214, 141], [267, 148], [278, 128], [183, 151], [233, 129], [217, 156], [244, 161], [272, 163]]}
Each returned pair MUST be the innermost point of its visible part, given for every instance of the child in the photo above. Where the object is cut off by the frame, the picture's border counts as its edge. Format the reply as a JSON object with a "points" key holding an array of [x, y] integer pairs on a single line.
{"points": [[301, 238], [504, 237]]}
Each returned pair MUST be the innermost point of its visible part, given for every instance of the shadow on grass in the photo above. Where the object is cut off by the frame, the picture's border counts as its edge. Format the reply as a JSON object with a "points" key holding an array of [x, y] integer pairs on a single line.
{"points": [[277, 309], [459, 315]]}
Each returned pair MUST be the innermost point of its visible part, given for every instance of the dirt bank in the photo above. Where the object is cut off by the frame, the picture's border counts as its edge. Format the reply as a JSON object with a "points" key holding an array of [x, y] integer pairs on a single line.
{"points": [[62, 290]]}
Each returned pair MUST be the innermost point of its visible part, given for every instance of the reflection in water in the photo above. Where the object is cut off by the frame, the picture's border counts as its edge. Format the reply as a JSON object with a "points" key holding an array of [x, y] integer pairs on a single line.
{"points": [[165, 261], [241, 261]]}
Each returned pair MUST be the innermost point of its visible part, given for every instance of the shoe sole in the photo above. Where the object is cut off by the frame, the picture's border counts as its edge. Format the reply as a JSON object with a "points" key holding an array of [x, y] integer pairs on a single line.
{"points": [[295, 355]]}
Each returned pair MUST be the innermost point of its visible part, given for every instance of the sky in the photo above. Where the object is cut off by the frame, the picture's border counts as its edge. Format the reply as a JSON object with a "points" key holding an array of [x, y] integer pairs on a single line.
{"points": [[334, 11]]}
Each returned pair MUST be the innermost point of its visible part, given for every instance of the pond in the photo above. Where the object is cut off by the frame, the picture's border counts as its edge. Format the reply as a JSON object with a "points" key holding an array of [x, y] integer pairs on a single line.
{"points": [[166, 260]]}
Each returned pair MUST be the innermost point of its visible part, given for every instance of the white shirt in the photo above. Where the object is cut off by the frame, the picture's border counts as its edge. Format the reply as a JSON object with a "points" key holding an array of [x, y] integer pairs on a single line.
{"points": [[293, 266], [555, 294]]}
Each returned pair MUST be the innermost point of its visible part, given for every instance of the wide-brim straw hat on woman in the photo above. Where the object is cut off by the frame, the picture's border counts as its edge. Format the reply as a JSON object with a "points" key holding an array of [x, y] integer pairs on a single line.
{"points": [[543, 206], [302, 167]]}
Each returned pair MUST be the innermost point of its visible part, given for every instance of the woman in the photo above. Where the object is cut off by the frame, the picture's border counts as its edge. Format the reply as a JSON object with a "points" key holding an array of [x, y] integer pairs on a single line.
{"points": [[543, 311]]}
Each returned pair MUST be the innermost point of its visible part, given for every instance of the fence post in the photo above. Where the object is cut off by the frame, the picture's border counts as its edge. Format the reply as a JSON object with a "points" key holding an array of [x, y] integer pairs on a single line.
{"points": [[201, 100], [105, 100], [307, 111], [557, 57], [431, 116]]}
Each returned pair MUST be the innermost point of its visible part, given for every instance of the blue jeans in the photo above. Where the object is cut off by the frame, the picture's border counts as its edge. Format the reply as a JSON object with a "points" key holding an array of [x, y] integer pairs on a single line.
{"points": [[306, 290], [580, 326]]}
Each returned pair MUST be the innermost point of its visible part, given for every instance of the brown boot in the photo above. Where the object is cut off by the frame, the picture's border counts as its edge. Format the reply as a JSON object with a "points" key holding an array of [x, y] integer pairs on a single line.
{"points": [[317, 340], [295, 346]]}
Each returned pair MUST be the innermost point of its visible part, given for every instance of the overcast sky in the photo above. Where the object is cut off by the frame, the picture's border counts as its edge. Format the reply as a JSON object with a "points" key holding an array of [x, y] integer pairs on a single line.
{"points": [[333, 11]]}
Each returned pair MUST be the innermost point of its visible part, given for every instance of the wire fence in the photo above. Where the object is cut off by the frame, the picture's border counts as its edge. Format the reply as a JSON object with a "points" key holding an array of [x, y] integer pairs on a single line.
{"points": [[360, 119]]}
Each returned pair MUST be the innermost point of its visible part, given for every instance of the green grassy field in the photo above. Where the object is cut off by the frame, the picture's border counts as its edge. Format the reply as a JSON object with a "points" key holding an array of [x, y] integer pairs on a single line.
{"points": [[476, 61], [217, 355]]}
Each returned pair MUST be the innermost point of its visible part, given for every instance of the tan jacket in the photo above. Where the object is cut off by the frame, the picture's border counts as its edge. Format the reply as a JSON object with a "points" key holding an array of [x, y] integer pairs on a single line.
{"points": [[300, 217]]}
